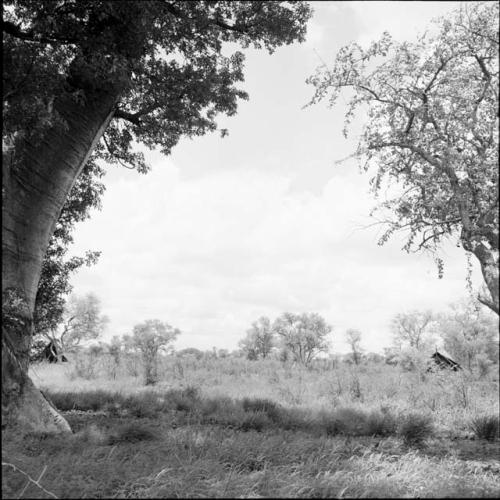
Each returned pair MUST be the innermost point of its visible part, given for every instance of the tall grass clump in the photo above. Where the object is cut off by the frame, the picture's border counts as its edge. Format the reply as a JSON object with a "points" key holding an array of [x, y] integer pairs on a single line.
{"points": [[255, 420], [347, 421], [273, 410], [381, 423], [187, 400], [132, 433], [84, 401], [415, 428], [486, 427]]}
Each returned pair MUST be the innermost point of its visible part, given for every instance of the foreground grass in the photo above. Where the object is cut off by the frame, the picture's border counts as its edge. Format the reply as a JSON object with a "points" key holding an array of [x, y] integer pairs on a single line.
{"points": [[235, 428], [179, 444]]}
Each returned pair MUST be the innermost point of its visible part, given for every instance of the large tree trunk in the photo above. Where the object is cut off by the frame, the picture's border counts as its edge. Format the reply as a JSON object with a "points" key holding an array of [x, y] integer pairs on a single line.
{"points": [[489, 261], [37, 178]]}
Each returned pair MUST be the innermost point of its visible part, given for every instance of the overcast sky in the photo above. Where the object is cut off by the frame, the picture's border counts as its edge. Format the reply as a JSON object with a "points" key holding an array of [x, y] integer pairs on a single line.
{"points": [[263, 221]]}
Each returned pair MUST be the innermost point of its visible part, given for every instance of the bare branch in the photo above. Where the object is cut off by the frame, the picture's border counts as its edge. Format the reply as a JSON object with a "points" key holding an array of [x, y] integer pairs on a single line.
{"points": [[30, 479]]}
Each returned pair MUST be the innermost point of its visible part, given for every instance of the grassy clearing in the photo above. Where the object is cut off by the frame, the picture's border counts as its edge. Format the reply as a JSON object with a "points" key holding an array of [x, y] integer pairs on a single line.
{"points": [[259, 414], [243, 429], [145, 458], [452, 398]]}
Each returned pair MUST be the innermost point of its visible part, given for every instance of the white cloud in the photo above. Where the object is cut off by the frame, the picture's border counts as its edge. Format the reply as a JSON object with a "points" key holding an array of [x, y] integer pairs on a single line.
{"points": [[213, 253], [402, 21], [226, 231]]}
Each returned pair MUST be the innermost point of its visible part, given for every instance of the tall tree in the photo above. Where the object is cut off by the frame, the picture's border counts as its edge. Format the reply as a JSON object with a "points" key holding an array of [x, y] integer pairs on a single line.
{"points": [[82, 320], [259, 339], [54, 284], [353, 338], [432, 129], [149, 338], [410, 329], [97, 75], [303, 335]]}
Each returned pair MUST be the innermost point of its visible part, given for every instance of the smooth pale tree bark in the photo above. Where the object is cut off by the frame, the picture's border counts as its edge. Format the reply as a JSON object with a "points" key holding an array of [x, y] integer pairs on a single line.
{"points": [[489, 261], [37, 178]]}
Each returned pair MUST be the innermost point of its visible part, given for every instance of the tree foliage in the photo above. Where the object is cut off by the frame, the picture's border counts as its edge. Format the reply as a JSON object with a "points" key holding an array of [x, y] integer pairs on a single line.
{"points": [[259, 339], [303, 335], [81, 319], [149, 339], [353, 338], [173, 76], [410, 329], [431, 133], [470, 334], [166, 57]]}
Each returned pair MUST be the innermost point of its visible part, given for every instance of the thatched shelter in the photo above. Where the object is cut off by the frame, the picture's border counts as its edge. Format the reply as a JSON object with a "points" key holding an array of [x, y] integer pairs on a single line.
{"points": [[51, 355], [443, 360]]}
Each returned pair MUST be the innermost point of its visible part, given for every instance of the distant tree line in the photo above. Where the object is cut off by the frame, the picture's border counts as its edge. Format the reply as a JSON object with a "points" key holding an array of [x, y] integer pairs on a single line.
{"points": [[300, 337]]}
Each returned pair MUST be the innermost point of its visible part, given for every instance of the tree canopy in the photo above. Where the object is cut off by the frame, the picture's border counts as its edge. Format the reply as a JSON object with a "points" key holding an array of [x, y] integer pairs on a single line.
{"points": [[411, 328], [178, 81], [304, 335], [431, 134], [469, 333], [149, 338], [259, 339], [176, 76], [353, 338], [87, 80]]}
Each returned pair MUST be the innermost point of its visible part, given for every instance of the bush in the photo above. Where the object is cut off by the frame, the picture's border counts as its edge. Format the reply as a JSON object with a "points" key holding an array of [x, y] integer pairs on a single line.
{"points": [[132, 433], [84, 401], [381, 424], [257, 421], [144, 405], [414, 428], [486, 427], [270, 408], [348, 421], [187, 400]]}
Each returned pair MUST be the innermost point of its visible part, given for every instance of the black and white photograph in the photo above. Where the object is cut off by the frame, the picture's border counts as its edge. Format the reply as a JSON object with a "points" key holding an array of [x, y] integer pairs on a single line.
{"points": [[250, 249]]}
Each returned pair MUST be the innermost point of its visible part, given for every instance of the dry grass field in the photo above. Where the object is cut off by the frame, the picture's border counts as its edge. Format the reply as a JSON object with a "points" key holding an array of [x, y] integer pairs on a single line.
{"points": [[252, 429]]}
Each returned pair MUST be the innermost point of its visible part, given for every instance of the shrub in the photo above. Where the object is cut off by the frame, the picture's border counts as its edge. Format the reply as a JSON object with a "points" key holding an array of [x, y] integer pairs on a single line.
{"points": [[348, 421], [84, 401], [486, 427], [187, 400], [191, 392], [255, 421], [380, 423], [185, 404], [145, 405], [270, 408], [132, 433], [222, 411], [414, 428], [213, 406]]}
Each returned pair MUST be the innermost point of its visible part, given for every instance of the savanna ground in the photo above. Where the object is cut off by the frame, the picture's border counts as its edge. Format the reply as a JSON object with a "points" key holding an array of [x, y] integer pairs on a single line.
{"points": [[248, 429]]}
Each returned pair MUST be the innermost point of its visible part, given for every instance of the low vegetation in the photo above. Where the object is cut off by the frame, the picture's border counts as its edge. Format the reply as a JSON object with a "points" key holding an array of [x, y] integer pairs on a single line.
{"points": [[486, 426], [231, 427]]}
